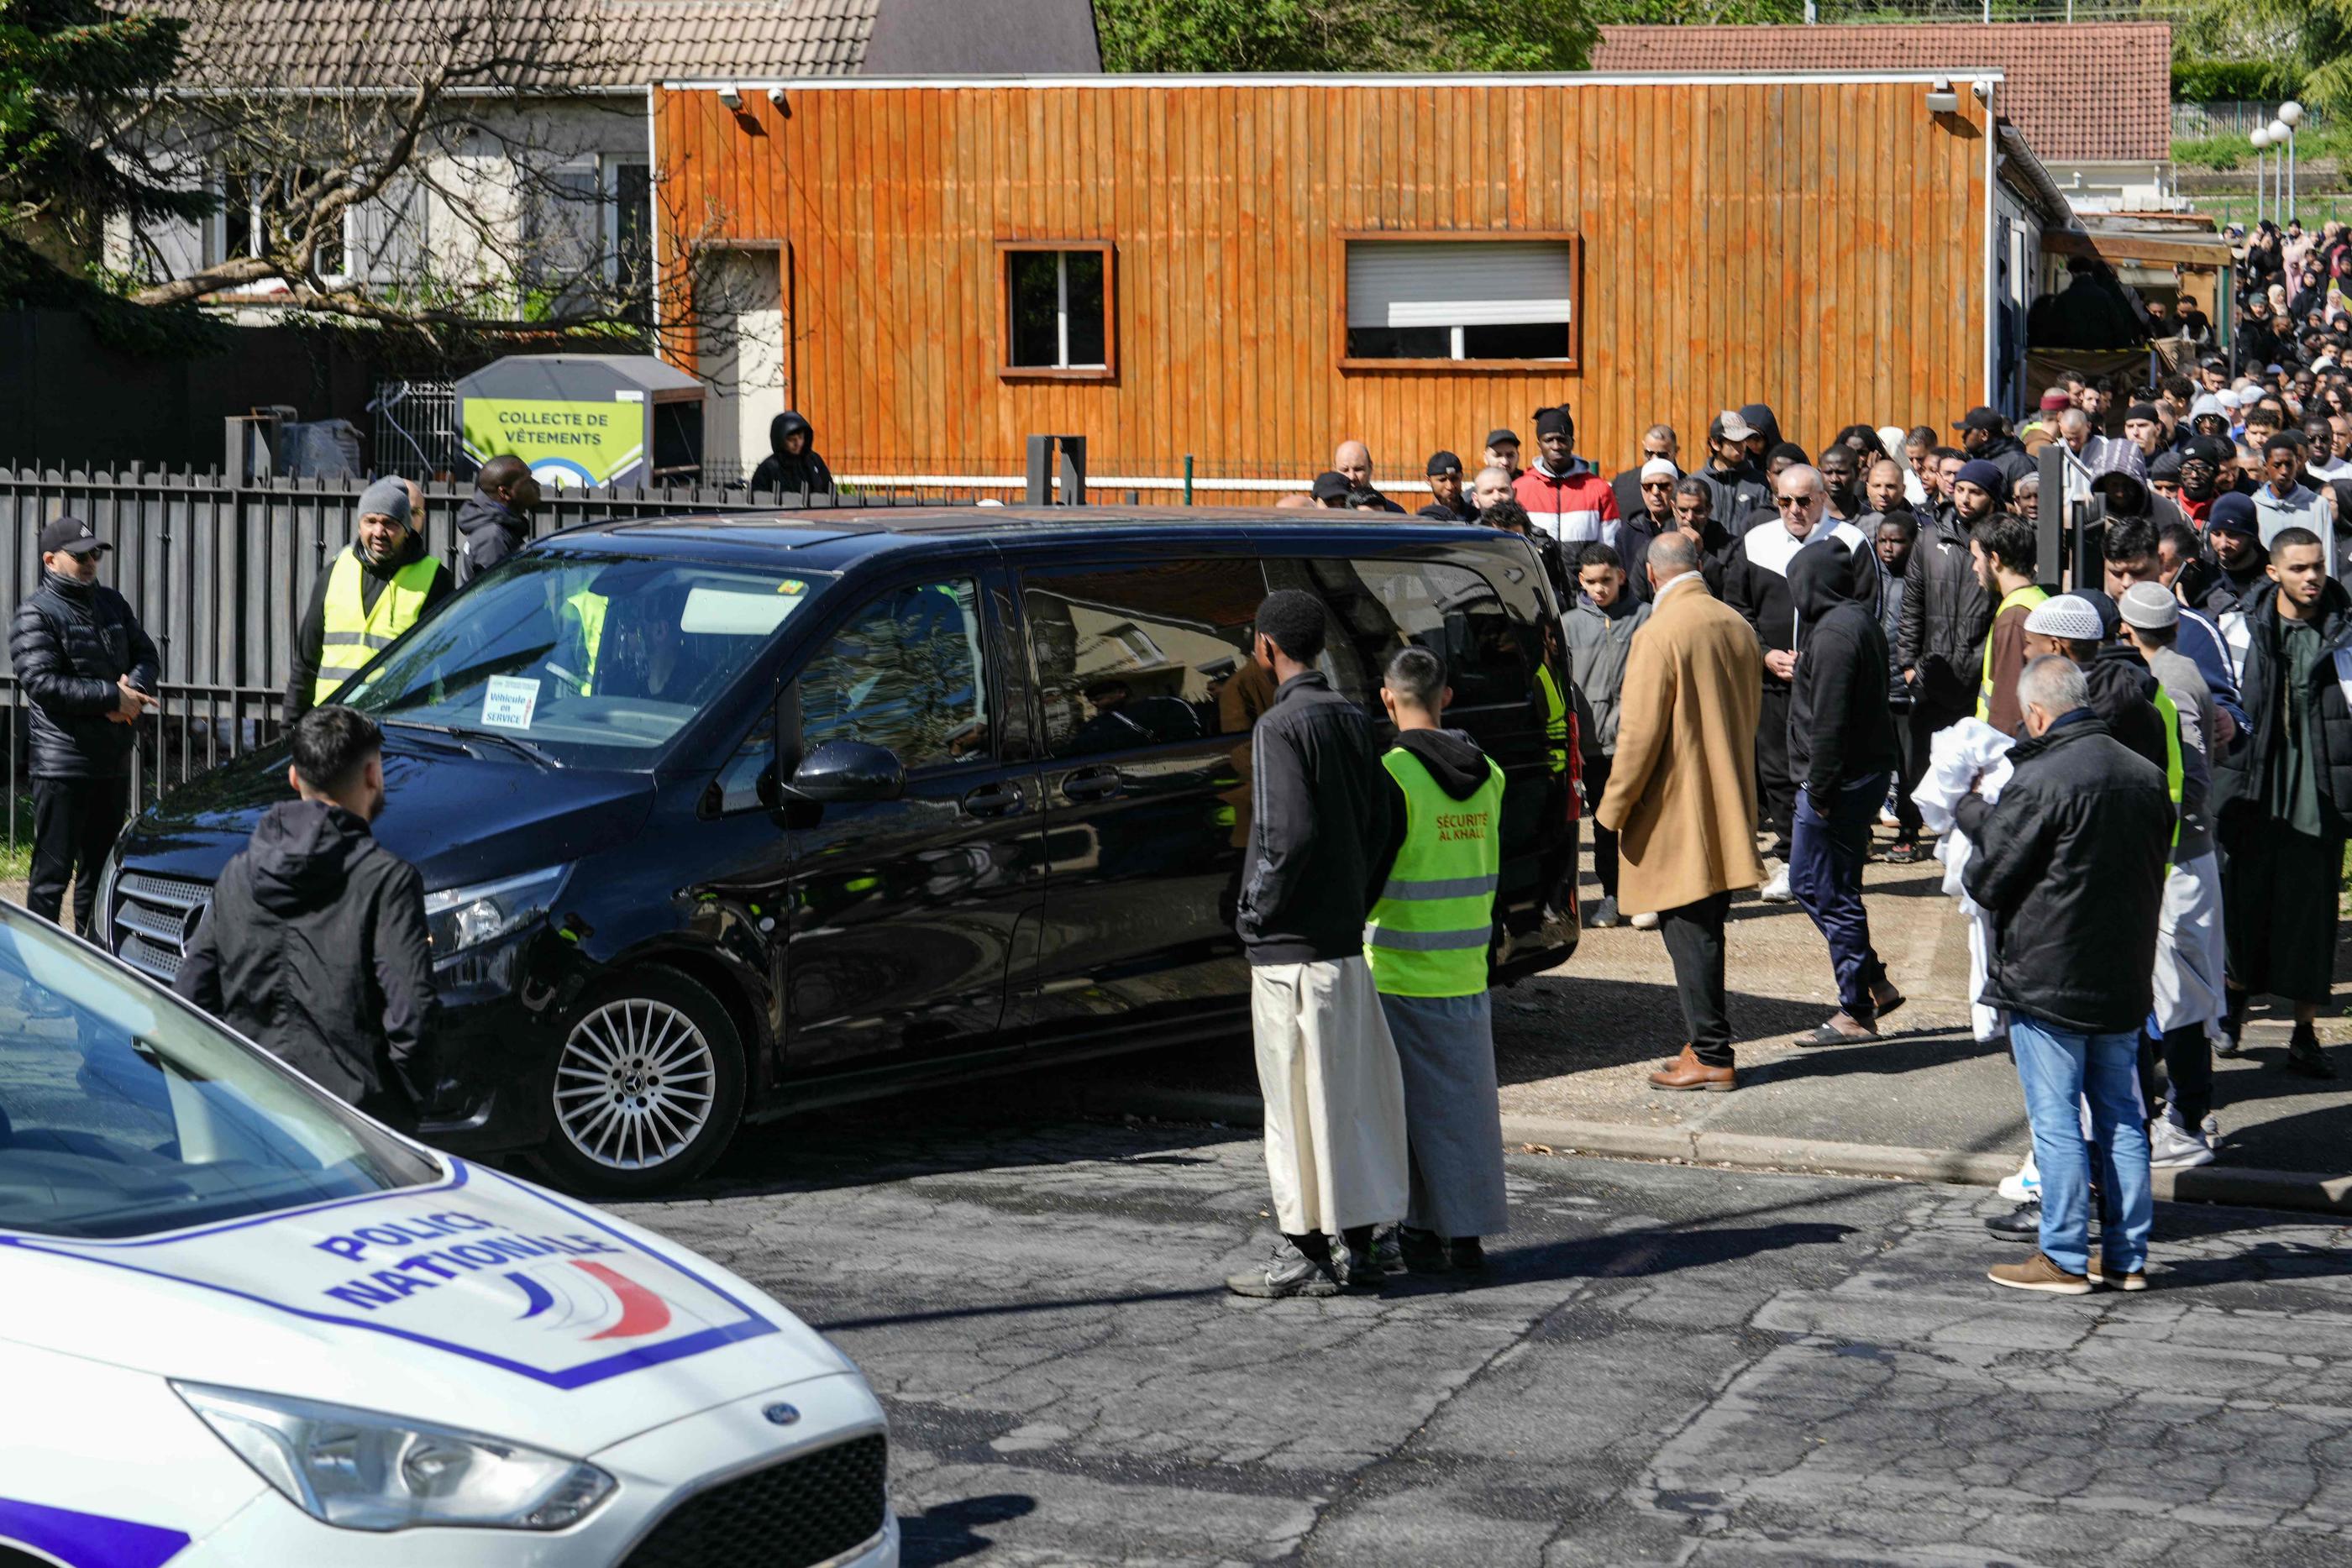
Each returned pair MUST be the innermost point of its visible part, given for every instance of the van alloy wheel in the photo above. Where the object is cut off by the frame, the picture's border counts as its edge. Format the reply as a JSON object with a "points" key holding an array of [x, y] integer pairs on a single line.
{"points": [[635, 1084]]}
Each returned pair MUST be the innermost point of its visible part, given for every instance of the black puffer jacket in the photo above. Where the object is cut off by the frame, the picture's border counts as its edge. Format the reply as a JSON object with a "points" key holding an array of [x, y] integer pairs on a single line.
{"points": [[2238, 779], [70, 644], [316, 949], [780, 470], [1947, 615], [2071, 863], [1840, 730]]}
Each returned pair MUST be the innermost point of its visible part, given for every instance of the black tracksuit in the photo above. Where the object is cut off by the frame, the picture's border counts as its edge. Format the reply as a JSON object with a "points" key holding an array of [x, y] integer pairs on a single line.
{"points": [[69, 644], [316, 948]]}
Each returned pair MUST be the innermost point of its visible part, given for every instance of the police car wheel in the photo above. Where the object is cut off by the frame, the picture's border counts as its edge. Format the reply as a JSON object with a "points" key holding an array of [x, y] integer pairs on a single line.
{"points": [[649, 1086]]}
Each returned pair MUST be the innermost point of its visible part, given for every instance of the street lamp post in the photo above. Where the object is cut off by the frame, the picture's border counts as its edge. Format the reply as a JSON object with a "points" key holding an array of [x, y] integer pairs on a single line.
{"points": [[2280, 138], [2290, 115], [2261, 139]]}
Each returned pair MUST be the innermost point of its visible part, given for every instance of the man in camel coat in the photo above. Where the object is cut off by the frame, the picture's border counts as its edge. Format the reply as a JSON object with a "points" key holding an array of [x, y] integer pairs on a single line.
{"points": [[1681, 792]]}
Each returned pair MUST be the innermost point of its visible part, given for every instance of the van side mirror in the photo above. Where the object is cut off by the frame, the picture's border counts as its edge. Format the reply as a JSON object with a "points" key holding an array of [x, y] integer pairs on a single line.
{"points": [[849, 771]]}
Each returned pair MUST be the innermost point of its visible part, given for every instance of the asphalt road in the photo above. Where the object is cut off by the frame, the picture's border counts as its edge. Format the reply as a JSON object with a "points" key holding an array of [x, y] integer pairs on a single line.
{"points": [[1666, 1365]]}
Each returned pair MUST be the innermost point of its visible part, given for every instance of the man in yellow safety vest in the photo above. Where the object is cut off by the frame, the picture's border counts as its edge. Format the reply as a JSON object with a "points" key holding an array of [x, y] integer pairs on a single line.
{"points": [[1427, 938], [371, 593], [2004, 548]]}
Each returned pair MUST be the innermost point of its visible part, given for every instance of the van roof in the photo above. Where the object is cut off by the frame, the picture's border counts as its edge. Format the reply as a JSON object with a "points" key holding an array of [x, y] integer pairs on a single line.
{"points": [[831, 539]]}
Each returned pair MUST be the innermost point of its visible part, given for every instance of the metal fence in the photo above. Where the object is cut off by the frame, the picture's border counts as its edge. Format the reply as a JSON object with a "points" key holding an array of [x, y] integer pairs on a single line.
{"points": [[219, 573], [413, 428], [2235, 117]]}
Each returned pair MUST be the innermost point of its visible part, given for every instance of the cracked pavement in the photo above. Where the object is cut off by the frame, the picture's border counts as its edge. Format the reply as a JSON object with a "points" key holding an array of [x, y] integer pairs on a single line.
{"points": [[1666, 1363]]}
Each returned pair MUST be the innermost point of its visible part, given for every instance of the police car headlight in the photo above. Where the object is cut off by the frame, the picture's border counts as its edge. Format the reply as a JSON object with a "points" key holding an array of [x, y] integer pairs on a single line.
{"points": [[359, 1469], [464, 917]]}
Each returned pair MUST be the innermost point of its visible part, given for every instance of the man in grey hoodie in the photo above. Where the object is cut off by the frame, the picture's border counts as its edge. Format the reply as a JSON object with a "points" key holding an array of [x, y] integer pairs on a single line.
{"points": [[1599, 628]]}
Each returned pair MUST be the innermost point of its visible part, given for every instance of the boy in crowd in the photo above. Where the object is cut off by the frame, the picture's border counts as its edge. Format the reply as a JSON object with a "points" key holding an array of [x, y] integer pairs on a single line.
{"points": [[1600, 627]]}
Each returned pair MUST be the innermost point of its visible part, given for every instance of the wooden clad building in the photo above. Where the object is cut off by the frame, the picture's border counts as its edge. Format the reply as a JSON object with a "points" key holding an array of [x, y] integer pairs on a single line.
{"points": [[1248, 269]]}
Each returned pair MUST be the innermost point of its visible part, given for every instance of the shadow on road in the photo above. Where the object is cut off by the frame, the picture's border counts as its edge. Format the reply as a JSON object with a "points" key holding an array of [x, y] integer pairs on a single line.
{"points": [[951, 1532]]}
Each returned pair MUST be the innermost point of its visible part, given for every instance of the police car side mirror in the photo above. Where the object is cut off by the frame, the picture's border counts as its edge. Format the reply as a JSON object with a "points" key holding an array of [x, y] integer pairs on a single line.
{"points": [[847, 771]]}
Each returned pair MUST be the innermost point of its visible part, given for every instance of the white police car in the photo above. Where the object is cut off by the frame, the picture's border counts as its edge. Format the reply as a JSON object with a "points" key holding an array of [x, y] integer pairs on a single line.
{"points": [[241, 1325]]}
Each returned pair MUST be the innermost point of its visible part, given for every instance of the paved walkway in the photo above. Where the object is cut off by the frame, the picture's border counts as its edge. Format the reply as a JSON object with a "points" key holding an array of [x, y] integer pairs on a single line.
{"points": [[1577, 1045]]}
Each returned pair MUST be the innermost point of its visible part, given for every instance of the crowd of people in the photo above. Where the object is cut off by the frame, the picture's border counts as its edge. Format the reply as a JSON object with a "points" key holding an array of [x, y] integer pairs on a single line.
{"points": [[2139, 788]]}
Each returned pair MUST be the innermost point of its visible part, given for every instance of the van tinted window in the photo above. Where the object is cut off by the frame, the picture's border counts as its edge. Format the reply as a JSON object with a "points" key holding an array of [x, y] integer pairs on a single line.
{"points": [[904, 672], [1380, 606], [1138, 656]]}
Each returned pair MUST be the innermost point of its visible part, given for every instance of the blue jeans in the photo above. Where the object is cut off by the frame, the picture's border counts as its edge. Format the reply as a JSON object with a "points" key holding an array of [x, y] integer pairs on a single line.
{"points": [[2056, 1066], [1825, 860]]}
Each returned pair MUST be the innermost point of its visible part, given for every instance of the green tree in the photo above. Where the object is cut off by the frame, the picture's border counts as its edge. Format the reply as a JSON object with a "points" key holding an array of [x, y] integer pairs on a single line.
{"points": [[2311, 39], [76, 80], [1190, 36]]}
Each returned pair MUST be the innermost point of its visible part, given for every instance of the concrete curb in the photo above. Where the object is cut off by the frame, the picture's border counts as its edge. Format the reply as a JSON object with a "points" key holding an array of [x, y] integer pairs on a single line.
{"points": [[2304, 1190]]}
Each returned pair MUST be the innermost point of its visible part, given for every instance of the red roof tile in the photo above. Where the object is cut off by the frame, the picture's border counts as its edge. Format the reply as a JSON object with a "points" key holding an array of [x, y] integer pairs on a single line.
{"points": [[2126, 117]]}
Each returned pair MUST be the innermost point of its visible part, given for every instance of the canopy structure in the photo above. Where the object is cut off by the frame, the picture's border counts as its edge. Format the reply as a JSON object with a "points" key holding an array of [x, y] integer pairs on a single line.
{"points": [[592, 420]]}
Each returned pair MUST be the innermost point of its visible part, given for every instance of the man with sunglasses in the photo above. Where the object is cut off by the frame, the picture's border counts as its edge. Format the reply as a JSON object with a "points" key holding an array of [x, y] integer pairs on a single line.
{"points": [[1756, 583]]}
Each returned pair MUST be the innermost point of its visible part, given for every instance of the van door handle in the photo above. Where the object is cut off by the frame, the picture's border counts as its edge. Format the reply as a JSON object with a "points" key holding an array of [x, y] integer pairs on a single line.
{"points": [[993, 801], [1092, 784]]}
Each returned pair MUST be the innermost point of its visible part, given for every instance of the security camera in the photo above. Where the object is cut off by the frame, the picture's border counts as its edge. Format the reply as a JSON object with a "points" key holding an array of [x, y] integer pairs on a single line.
{"points": [[776, 96], [730, 98], [1983, 90], [1941, 99]]}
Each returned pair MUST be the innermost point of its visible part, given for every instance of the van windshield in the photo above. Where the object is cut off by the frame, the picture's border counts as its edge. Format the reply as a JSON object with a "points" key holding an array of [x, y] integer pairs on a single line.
{"points": [[124, 1114], [591, 660]]}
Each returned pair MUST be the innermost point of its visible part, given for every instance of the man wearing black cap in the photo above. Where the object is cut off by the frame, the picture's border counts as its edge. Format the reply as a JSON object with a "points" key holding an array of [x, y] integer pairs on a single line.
{"points": [[1503, 451], [2203, 459], [1449, 502], [87, 669], [1330, 490], [1985, 437]]}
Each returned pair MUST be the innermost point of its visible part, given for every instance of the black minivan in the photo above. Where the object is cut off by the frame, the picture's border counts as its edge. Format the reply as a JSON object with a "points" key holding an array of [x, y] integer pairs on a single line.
{"points": [[728, 817]]}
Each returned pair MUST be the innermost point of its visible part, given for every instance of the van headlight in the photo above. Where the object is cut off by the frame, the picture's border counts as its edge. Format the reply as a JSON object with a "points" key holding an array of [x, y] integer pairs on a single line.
{"points": [[359, 1469], [463, 917]]}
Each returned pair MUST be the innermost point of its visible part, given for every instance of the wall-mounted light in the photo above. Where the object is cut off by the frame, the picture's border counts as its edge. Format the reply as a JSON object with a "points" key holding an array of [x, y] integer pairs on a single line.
{"points": [[730, 98], [1941, 99]]}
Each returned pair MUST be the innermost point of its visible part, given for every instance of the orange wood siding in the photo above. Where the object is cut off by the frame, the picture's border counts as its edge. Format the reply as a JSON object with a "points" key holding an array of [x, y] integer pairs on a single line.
{"points": [[1818, 247]]}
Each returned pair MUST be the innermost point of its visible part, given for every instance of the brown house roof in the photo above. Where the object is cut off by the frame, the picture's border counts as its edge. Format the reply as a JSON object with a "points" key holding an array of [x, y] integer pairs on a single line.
{"points": [[2089, 92], [327, 45]]}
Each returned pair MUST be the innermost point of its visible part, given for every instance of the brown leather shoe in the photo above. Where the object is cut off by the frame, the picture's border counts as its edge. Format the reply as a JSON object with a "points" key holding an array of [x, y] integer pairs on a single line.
{"points": [[1688, 1071]]}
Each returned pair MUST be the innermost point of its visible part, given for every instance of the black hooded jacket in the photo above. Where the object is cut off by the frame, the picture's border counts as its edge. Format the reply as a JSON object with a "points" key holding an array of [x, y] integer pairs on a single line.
{"points": [[2123, 693], [316, 949], [780, 470], [1457, 765], [70, 642], [2006, 453], [2071, 865], [490, 533], [1840, 729]]}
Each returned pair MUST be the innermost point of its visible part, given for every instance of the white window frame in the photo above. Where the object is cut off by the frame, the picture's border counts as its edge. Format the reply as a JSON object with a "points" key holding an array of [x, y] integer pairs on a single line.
{"points": [[1457, 357]]}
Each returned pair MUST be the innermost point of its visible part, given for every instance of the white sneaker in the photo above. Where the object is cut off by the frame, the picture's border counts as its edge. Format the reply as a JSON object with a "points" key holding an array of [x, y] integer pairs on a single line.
{"points": [[1645, 922], [2024, 1185], [1777, 890], [2172, 1147], [2212, 1131]]}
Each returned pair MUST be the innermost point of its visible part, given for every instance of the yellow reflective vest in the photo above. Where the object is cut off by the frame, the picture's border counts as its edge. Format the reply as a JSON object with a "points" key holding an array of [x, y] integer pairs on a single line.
{"points": [[351, 631], [1428, 933], [1555, 720], [587, 608], [2031, 594]]}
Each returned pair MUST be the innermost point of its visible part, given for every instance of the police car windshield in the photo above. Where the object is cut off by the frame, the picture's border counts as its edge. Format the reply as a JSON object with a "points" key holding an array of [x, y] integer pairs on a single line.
{"points": [[124, 1114], [596, 660]]}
